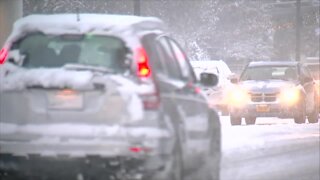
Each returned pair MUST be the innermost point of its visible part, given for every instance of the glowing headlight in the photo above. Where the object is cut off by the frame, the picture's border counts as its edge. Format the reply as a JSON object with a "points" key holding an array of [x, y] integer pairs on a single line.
{"points": [[238, 97], [290, 96]]}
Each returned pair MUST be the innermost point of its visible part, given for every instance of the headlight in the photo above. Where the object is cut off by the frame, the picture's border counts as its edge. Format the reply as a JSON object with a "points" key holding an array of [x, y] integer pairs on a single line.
{"points": [[290, 96], [238, 97]]}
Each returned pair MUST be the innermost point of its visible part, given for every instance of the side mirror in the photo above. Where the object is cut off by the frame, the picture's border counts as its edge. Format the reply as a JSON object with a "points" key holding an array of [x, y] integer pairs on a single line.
{"points": [[208, 79]]}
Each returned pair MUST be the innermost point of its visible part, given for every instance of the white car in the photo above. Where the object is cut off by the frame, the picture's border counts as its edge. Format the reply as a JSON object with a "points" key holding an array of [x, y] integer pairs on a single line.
{"points": [[216, 94]]}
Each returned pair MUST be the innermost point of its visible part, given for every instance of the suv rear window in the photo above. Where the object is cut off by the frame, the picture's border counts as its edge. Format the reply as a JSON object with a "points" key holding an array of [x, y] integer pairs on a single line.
{"points": [[56, 51]]}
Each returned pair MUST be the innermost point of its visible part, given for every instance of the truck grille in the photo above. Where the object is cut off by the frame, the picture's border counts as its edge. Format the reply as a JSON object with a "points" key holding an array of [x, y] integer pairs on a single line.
{"points": [[263, 97]]}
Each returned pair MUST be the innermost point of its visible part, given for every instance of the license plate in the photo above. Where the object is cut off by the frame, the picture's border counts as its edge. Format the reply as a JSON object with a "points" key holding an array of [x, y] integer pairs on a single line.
{"points": [[262, 108], [61, 100]]}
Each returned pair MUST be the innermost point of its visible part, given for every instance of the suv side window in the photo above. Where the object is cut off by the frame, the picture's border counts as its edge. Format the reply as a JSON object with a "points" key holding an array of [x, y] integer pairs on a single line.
{"points": [[166, 55], [181, 59]]}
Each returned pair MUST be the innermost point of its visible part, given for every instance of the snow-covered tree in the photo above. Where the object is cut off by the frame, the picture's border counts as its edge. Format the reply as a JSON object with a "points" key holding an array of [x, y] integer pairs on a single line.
{"points": [[208, 29]]}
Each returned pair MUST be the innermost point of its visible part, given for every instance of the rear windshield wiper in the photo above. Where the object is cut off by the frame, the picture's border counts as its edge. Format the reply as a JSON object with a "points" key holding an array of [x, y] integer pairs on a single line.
{"points": [[85, 67]]}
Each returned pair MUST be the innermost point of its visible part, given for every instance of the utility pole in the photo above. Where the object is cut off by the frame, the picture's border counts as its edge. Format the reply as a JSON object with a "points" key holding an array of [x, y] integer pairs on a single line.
{"points": [[136, 7], [298, 30]]}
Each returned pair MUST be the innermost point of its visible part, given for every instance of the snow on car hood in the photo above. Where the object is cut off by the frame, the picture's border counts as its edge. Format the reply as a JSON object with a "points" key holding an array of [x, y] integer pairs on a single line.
{"points": [[270, 86]]}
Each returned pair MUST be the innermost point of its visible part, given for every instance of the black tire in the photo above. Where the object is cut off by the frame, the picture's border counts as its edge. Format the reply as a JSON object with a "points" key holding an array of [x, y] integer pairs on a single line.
{"points": [[313, 117], [300, 117], [250, 120], [235, 120]]}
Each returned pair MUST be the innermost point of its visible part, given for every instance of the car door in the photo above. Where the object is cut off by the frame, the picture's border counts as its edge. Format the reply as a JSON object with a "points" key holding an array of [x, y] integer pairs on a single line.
{"points": [[191, 104], [191, 101], [308, 85], [178, 91]]}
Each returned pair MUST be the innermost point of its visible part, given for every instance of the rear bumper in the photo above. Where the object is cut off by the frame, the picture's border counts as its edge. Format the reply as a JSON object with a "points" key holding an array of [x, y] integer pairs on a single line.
{"points": [[84, 151], [64, 168], [274, 110]]}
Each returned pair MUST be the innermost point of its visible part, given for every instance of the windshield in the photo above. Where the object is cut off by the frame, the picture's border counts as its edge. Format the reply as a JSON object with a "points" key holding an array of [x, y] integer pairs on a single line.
{"points": [[263, 73], [56, 51]]}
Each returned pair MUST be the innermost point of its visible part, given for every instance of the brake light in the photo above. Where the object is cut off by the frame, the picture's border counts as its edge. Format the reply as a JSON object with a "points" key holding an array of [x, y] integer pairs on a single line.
{"points": [[143, 63], [3, 55], [67, 92], [139, 149]]}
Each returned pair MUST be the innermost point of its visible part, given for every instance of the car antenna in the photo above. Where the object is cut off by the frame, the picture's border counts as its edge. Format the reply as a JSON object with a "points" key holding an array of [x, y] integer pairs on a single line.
{"points": [[78, 15]]}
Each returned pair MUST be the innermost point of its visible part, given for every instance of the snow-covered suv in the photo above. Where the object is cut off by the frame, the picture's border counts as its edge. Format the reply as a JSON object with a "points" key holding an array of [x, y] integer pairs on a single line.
{"points": [[93, 96], [283, 89]]}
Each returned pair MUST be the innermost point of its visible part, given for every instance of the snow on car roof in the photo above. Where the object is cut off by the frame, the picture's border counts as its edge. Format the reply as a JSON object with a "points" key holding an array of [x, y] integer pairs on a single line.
{"points": [[273, 63], [119, 25], [212, 65]]}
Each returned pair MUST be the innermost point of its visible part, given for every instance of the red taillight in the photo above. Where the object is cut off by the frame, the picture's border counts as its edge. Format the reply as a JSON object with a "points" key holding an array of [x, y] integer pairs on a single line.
{"points": [[135, 149], [139, 149], [3, 55], [144, 69], [151, 100]]}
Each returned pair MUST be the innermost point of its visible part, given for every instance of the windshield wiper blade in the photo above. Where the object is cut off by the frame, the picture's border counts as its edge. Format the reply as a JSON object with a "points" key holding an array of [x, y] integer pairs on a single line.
{"points": [[86, 67]]}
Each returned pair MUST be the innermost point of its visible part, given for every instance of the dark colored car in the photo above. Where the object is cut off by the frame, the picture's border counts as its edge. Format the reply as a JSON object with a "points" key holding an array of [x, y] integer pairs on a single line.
{"points": [[102, 97], [283, 89]]}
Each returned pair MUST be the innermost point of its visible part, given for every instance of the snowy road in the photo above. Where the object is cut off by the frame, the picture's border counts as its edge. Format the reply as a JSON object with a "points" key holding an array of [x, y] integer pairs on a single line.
{"points": [[271, 149]]}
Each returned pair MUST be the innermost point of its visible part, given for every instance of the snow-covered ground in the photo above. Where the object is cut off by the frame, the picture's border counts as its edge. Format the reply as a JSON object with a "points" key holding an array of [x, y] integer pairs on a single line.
{"points": [[272, 149]]}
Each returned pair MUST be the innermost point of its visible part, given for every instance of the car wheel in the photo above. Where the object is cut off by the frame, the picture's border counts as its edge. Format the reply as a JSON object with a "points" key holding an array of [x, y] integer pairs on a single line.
{"points": [[300, 117], [313, 117], [250, 120], [235, 120]]}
